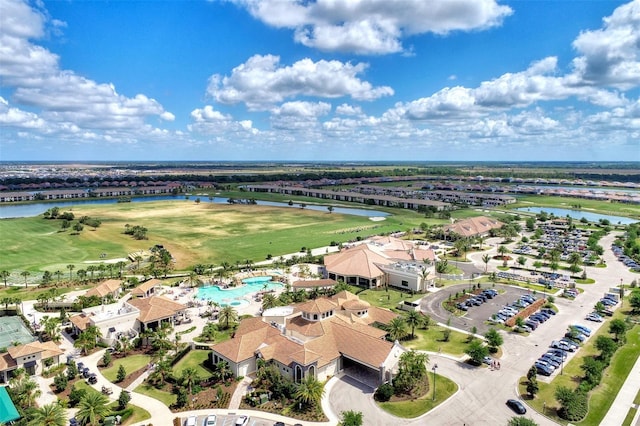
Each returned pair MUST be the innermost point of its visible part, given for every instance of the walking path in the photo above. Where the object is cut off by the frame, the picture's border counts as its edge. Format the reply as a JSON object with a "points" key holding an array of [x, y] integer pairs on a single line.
{"points": [[624, 399]]}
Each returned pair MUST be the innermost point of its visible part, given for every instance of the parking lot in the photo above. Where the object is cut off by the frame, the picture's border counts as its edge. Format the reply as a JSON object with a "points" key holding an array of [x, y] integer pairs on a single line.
{"points": [[476, 315], [230, 420]]}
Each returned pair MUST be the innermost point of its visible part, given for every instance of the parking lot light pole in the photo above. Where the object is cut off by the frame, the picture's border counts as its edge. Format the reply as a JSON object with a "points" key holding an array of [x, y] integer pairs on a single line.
{"points": [[435, 367]]}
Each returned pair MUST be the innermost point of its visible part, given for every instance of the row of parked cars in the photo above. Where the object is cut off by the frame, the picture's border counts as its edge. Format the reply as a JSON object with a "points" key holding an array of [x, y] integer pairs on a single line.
{"points": [[511, 310], [559, 349], [90, 377], [534, 320], [626, 260], [477, 299]]}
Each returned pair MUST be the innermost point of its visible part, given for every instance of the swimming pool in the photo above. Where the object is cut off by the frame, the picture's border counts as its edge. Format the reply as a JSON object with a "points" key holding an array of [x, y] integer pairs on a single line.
{"points": [[235, 296]]}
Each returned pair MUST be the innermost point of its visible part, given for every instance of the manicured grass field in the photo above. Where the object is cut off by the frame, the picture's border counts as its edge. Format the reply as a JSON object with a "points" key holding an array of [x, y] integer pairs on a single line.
{"points": [[131, 363], [417, 407], [167, 398], [196, 359], [194, 233]]}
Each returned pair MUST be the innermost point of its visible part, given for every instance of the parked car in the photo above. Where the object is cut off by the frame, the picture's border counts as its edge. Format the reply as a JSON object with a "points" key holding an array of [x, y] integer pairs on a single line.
{"points": [[584, 330], [593, 317], [550, 360], [279, 424], [575, 336], [92, 379], [554, 356], [487, 360], [544, 364], [560, 344], [607, 312], [496, 320], [210, 420], [462, 306], [531, 324], [573, 345], [86, 372], [548, 311], [559, 353], [516, 406], [542, 370], [242, 421], [191, 421]]}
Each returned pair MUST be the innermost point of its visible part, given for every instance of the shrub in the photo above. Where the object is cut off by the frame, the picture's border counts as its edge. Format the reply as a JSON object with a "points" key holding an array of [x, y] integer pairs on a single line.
{"points": [[60, 381], [76, 395], [384, 392], [122, 373]]}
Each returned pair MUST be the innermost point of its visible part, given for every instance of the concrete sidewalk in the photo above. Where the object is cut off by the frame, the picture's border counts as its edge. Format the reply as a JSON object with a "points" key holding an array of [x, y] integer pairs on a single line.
{"points": [[624, 400]]}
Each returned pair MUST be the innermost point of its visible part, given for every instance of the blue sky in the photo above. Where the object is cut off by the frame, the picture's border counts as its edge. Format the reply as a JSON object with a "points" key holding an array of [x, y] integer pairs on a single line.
{"points": [[312, 80]]}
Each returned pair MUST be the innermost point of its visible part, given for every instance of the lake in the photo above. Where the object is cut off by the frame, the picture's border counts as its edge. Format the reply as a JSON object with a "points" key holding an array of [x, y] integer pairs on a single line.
{"points": [[579, 214], [35, 209]]}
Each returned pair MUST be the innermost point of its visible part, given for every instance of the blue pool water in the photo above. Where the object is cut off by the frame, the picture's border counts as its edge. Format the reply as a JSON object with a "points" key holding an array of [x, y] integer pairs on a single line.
{"points": [[235, 296]]}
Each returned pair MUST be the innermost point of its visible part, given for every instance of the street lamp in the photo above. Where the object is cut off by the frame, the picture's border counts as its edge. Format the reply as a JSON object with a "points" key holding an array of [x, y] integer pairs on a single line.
{"points": [[434, 368]]}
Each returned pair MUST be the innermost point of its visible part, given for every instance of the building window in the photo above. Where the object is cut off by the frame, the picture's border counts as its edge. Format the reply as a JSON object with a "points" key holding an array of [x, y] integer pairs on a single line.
{"points": [[405, 283], [315, 316]]}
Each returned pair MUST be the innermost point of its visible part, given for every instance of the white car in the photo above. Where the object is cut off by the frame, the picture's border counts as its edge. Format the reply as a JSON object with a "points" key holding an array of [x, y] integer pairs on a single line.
{"points": [[242, 421], [594, 318], [210, 420], [191, 421]]}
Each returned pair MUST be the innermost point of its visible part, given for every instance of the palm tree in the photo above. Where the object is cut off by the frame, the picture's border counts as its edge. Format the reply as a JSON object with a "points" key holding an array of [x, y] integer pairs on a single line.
{"points": [[71, 268], [192, 279], [575, 259], [397, 328], [413, 319], [223, 370], [309, 391], [330, 208], [48, 415], [25, 275], [82, 274], [92, 408], [121, 265], [91, 269], [502, 250], [189, 378], [161, 372], [269, 301], [227, 314], [442, 267], [486, 259], [5, 276], [58, 274], [85, 343]]}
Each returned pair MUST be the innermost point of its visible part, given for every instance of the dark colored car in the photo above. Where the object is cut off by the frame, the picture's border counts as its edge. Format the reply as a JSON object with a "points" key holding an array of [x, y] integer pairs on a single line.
{"points": [[278, 424], [516, 406], [92, 379]]}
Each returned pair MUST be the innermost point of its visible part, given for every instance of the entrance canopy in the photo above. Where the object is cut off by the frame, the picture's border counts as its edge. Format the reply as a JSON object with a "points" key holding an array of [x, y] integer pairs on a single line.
{"points": [[8, 411]]}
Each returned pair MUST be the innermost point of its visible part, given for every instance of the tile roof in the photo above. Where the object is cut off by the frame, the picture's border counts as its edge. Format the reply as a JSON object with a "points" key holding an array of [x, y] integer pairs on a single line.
{"points": [[156, 308], [48, 350], [357, 261], [142, 289], [473, 226], [81, 321], [105, 288], [317, 306], [6, 361]]}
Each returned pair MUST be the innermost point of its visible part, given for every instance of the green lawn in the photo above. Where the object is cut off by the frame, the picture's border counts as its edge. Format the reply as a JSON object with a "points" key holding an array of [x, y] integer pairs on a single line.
{"points": [[131, 363], [193, 233], [431, 340], [165, 397], [195, 358], [387, 298], [630, 415], [601, 398], [417, 407]]}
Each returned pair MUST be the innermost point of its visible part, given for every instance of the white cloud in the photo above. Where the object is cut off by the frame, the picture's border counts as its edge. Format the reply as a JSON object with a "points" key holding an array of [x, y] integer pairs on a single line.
{"points": [[67, 102], [18, 119], [209, 121], [298, 115], [346, 109], [611, 56], [261, 82], [373, 26]]}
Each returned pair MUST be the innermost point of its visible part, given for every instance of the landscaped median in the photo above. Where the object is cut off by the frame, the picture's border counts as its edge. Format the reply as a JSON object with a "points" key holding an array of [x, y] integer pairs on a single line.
{"points": [[418, 406], [602, 396]]}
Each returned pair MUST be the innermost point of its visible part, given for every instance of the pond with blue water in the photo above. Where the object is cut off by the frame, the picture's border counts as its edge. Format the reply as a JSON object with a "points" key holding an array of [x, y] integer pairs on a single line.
{"points": [[35, 209], [579, 214], [235, 296]]}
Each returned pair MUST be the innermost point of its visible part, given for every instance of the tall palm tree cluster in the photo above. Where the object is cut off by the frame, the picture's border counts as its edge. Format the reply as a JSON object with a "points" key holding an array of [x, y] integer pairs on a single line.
{"points": [[397, 327]]}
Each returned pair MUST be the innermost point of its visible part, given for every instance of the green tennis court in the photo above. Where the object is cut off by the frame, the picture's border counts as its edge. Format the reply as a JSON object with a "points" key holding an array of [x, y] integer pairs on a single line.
{"points": [[12, 329]]}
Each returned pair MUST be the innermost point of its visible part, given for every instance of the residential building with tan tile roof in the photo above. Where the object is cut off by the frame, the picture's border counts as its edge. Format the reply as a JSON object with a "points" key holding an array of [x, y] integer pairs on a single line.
{"points": [[147, 288], [357, 266], [473, 226], [106, 288], [319, 337], [29, 356], [156, 309]]}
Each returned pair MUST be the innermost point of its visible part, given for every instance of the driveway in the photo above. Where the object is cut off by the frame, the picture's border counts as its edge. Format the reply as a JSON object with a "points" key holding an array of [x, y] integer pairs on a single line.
{"points": [[482, 392]]}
